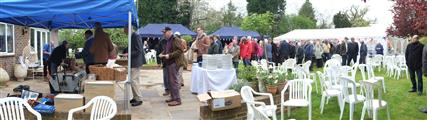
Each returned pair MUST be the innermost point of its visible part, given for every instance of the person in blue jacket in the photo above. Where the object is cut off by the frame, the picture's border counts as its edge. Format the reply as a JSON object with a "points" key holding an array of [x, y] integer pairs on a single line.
{"points": [[87, 56]]}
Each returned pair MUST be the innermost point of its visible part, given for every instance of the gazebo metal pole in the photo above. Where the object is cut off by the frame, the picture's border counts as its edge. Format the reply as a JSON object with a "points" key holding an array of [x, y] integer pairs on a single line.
{"points": [[126, 92]]}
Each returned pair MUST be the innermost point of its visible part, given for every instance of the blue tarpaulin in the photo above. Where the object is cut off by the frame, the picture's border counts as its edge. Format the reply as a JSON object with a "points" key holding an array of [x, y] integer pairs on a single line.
{"points": [[60, 14], [230, 32], [155, 30]]}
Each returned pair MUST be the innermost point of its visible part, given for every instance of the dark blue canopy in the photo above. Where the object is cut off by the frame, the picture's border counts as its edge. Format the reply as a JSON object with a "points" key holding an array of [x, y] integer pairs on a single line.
{"points": [[155, 30], [230, 32], [254, 34], [59, 14]]}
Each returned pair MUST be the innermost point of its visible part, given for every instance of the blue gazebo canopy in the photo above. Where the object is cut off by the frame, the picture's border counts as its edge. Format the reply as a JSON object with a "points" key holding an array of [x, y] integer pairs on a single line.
{"points": [[62, 14], [230, 32], [155, 30]]}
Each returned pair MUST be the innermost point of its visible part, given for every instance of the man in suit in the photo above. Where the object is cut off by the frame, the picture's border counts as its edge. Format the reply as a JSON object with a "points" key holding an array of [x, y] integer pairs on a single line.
{"points": [[284, 50], [353, 51]]}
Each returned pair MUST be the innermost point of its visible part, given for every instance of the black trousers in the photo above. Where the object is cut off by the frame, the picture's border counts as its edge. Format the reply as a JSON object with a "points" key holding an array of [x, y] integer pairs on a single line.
{"points": [[419, 75], [351, 57], [343, 59], [319, 63], [362, 60], [45, 66], [87, 67]]}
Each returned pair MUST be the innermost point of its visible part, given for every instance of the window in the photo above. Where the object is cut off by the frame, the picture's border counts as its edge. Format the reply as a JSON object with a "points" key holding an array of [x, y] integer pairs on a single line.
{"points": [[7, 39]]}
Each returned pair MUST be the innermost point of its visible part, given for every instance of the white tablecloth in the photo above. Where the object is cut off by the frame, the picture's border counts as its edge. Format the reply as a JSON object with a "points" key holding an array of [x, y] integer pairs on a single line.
{"points": [[203, 80]]}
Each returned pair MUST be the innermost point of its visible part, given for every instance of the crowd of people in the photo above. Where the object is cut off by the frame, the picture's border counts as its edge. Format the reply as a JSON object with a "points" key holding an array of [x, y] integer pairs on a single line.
{"points": [[248, 49]]}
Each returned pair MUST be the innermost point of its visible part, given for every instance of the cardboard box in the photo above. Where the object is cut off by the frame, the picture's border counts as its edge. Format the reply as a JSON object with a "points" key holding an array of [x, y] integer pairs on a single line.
{"points": [[99, 88], [221, 100], [65, 102]]}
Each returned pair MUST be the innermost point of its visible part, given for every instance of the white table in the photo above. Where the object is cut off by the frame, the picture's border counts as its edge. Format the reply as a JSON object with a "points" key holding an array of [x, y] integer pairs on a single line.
{"points": [[203, 80]]}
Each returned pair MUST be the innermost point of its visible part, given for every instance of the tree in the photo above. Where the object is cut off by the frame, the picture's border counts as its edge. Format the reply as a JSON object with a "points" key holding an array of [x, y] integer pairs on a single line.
{"points": [[261, 23], [165, 11], [276, 7], [76, 37], [230, 16], [307, 10], [292, 22], [409, 18], [341, 20], [357, 15]]}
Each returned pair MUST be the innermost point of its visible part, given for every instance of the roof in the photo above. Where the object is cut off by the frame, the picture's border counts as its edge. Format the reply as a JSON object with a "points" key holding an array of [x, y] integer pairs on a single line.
{"points": [[338, 33], [155, 30], [59, 14], [230, 32]]}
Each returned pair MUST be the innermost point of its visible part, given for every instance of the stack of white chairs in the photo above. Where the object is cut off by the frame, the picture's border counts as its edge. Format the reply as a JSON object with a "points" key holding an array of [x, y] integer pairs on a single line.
{"points": [[400, 66], [376, 61], [247, 94], [299, 96], [150, 56], [389, 61]]}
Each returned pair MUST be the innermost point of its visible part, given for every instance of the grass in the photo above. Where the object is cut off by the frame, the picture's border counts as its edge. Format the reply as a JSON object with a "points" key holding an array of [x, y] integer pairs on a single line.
{"points": [[402, 105]]}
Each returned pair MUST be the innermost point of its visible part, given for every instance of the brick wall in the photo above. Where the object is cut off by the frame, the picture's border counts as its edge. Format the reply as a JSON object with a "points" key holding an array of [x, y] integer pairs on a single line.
{"points": [[21, 40], [237, 113]]}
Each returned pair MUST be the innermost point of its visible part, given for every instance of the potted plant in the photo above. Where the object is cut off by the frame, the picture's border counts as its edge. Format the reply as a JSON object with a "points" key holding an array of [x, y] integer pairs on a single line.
{"points": [[282, 79], [249, 75], [240, 83], [271, 83]]}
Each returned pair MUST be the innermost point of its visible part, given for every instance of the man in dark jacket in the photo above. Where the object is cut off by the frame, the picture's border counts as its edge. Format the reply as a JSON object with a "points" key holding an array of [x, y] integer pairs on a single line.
{"points": [[55, 59], [363, 53], [292, 50], [352, 52], [299, 52], [87, 56], [342, 50], [379, 49], [137, 60], [284, 51], [413, 55], [275, 53], [309, 53]]}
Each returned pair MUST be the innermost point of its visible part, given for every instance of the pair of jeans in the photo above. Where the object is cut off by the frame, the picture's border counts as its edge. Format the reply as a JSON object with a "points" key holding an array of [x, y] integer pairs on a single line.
{"points": [[53, 70], [165, 79], [247, 62], [419, 75]]}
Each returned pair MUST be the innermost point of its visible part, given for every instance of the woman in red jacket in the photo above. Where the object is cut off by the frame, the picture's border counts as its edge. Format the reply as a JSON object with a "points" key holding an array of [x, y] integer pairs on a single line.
{"points": [[245, 51]]}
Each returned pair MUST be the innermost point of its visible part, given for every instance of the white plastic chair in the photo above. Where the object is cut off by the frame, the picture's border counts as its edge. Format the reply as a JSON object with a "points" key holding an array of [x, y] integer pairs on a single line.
{"points": [[289, 64], [351, 96], [12, 108], [299, 96], [327, 92], [371, 75], [103, 108], [258, 114], [248, 93], [371, 103], [401, 66]]}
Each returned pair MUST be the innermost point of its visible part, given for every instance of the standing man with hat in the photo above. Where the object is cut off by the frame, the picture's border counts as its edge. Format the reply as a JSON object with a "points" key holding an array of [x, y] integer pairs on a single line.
{"points": [[173, 59]]}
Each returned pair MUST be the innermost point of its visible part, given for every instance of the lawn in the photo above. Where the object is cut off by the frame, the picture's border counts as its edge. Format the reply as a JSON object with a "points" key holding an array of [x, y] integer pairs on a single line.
{"points": [[403, 105]]}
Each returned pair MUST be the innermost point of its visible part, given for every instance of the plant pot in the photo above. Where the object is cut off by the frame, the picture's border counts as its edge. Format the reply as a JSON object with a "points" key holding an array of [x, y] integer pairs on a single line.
{"points": [[281, 86], [20, 72], [254, 85], [3, 75], [272, 89]]}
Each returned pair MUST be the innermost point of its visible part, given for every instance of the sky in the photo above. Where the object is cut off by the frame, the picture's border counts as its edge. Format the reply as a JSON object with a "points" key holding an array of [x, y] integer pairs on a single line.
{"points": [[378, 9]]}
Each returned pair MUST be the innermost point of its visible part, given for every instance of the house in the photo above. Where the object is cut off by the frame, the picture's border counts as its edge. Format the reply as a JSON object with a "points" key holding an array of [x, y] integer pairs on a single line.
{"points": [[13, 39]]}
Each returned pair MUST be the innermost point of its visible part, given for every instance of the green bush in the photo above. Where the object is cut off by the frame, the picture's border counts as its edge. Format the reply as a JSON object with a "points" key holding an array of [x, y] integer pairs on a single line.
{"points": [[187, 38], [423, 40]]}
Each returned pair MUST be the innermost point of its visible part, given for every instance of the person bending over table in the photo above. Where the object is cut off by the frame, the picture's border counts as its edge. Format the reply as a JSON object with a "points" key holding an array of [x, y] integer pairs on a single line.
{"points": [[55, 59]]}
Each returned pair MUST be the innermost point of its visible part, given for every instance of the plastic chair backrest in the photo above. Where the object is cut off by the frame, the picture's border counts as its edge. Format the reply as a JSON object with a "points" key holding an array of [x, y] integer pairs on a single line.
{"points": [[290, 63], [370, 94], [306, 66], [103, 108], [12, 108], [299, 89], [362, 68], [246, 93], [332, 74], [370, 70], [300, 73], [345, 83]]}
